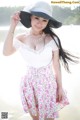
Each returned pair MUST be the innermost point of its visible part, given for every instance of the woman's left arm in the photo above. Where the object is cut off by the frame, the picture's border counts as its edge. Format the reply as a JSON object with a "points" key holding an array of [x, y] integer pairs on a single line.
{"points": [[56, 65]]}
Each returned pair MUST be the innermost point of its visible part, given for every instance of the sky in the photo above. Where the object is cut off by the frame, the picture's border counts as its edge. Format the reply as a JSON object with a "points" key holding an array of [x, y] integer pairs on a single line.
{"points": [[17, 2], [28, 2]]}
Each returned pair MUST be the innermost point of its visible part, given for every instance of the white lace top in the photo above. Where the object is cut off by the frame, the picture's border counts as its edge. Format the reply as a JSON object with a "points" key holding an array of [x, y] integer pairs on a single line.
{"points": [[36, 58]]}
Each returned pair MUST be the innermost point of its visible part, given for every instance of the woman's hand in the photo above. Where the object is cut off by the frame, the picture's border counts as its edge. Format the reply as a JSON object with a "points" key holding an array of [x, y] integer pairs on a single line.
{"points": [[15, 19], [8, 48], [59, 95]]}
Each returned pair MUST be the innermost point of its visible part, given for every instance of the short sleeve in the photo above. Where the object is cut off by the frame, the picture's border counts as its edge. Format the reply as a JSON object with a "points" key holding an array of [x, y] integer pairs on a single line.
{"points": [[54, 45], [16, 43]]}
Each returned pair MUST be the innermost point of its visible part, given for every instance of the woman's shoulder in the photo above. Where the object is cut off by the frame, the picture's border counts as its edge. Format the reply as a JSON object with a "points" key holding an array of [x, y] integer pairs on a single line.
{"points": [[22, 37], [19, 39], [49, 38]]}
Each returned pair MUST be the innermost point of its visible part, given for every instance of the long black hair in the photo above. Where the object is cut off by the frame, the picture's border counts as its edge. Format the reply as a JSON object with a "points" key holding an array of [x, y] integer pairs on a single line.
{"points": [[64, 55]]}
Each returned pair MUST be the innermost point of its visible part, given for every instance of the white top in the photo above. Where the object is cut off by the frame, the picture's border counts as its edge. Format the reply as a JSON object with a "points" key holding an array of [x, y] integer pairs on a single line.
{"points": [[36, 58]]}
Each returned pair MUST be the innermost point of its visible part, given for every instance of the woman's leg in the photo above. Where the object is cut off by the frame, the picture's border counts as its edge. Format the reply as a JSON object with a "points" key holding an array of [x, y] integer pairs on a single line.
{"points": [[34, 117], [49, 118]]}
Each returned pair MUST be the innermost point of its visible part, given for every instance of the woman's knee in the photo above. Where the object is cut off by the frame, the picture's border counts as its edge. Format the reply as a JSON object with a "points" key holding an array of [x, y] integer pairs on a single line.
{"points": [[34, 117], [49, 118]]}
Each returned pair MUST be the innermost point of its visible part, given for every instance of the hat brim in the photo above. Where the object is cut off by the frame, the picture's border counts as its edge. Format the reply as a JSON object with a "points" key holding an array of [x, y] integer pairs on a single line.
{"points": [[26, 21]]}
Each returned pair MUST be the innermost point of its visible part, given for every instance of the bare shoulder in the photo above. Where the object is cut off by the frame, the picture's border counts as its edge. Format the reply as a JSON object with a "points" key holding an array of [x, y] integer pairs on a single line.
{"points": [[21, 37], [48, 38]]}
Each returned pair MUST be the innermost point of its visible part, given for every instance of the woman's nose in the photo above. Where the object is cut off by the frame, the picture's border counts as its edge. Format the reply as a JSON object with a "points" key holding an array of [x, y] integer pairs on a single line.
{"points": [[39, 22]]}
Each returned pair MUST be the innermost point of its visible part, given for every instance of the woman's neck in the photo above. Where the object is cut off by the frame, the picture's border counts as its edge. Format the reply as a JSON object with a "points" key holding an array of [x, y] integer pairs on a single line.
{"points": [[36, 33]]}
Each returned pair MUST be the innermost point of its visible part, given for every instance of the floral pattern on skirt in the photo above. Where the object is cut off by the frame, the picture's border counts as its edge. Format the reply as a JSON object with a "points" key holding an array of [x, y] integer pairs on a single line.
{"points": [[39, 92]]}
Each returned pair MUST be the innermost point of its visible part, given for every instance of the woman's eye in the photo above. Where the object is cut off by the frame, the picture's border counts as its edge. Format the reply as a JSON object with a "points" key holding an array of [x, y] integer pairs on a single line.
{"points": [[36, 18], [45, 20]]}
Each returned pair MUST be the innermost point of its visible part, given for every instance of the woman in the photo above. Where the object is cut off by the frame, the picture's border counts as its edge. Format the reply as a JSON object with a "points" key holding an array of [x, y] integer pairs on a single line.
{"points": [[42, 93]]}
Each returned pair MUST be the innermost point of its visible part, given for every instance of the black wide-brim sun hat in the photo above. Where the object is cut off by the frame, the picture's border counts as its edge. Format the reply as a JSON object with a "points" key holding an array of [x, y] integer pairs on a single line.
{"points": [[40, 9]]}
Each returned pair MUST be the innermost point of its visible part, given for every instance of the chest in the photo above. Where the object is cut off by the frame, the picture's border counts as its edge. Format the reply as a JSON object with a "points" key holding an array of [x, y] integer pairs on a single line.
{"points": [[36, 43]]}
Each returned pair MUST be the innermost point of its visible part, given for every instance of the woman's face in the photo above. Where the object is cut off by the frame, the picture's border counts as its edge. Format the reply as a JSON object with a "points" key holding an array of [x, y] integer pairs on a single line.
{"points": [[38, 23]]}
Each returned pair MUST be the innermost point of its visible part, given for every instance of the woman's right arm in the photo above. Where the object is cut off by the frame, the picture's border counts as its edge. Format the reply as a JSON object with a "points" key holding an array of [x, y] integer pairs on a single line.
{"points": [[8, 47]]}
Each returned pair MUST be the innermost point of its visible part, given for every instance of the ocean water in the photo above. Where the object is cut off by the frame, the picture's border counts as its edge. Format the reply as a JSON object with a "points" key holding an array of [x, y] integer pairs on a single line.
{"points": [[12, 67]]}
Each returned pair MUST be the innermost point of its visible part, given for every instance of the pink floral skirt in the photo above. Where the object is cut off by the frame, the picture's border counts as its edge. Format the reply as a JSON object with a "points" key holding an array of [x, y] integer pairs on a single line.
{"points": [[39, 93]]}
